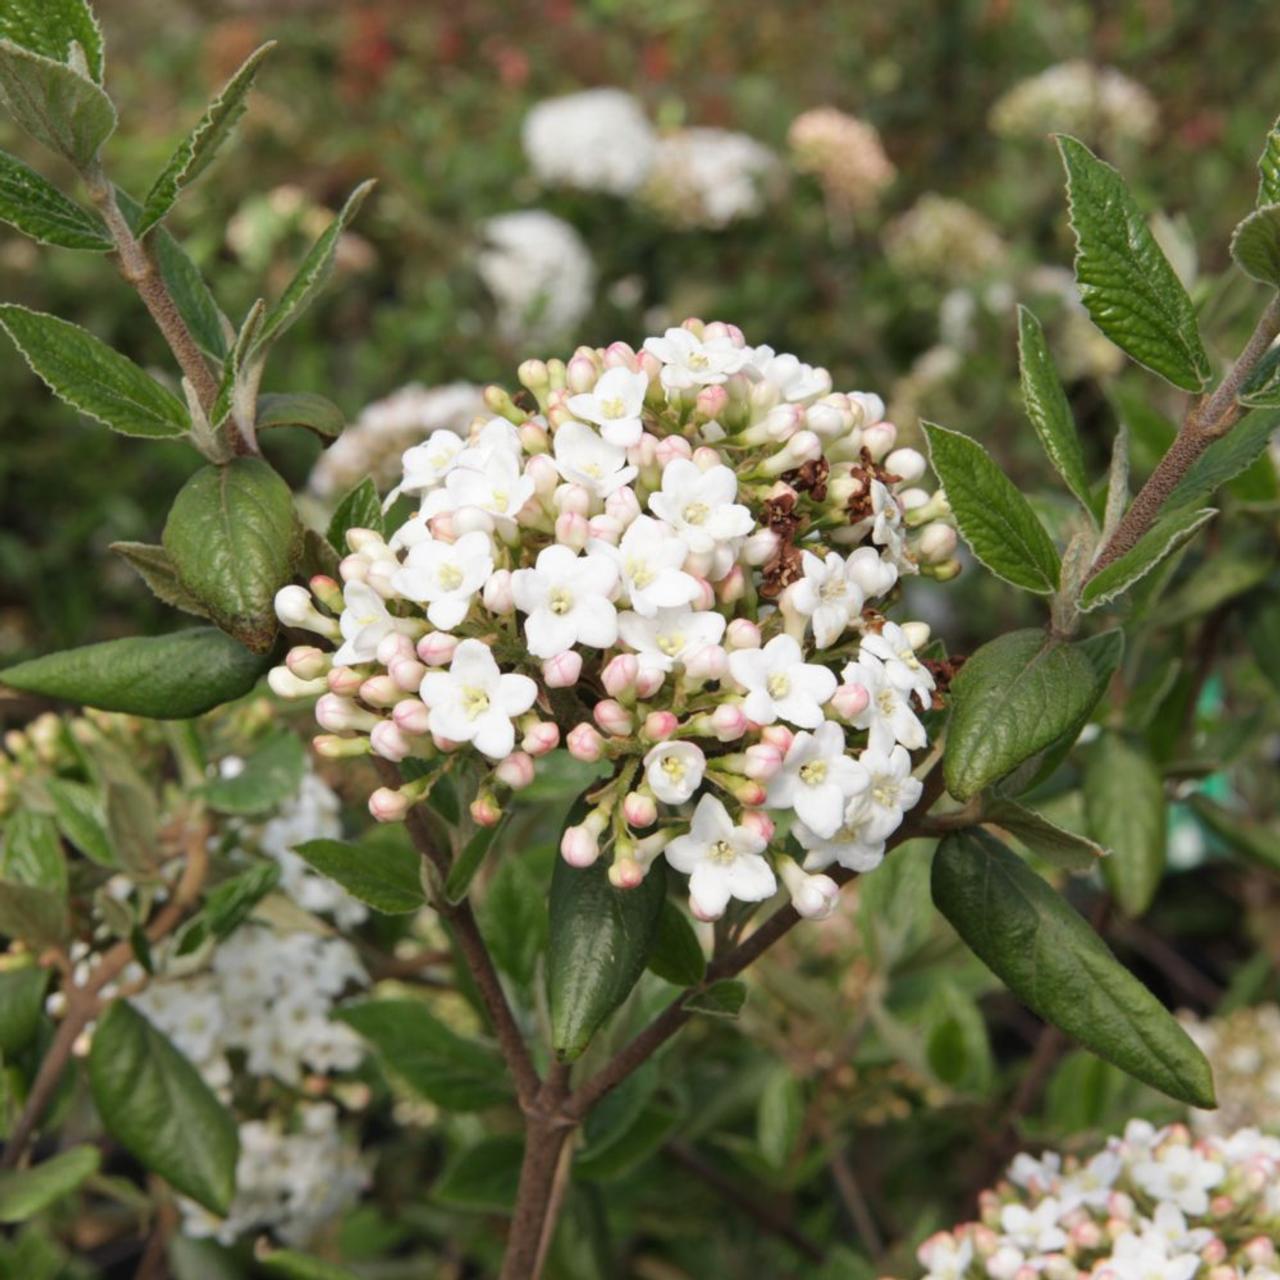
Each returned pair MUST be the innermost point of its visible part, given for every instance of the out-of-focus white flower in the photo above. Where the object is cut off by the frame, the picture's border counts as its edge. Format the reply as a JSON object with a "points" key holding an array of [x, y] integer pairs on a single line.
{"points": [[721, 860], [703, 177], [943, 238], [596, 140], [844, 153]]}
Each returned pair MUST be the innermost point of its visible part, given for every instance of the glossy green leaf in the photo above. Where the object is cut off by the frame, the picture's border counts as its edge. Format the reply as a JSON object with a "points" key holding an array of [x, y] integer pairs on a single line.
{"points": [[1226, 458], [1050, 958], [1016, 696], [1132, 293], [38, 209], [1125, 808], [1047, 407], [133, 821], [455, 1072], [677, 954], [1168, 534], [723, 999], [51, 27], [198, 149], [992, 515], [957, 1050], [269, 776], [154, 1103], [91, 377], [384, 872], [301, 409], [26, 1192], [155, 567], [359, 509], [228, 905], [234, 539], [482, 1178], [1255, 244], [169, 677], [1056, 845], [22, 988], [54, 103]]}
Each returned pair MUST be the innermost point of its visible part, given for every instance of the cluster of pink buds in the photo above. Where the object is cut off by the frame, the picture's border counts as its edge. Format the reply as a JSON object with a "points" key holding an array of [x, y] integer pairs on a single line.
{"points": [[676, 560]]}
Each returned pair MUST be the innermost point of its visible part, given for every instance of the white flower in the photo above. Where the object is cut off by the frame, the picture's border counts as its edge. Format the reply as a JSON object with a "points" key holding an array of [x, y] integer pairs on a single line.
{"points": [[888, 715], [670, 635], [903, 669], [877, 812], [1146, 1257], [795, 380], [446, 575], [709, 177], [1091, 1185], [944, 1257], [596, 140], [828, 594], [649, 559], [674, 771], [1036, 1175], [1034, 1230], [1170, 1224], [699, 505], [886, 526], [566, 597], [688, 361], [486, 478], [364, 622], [427, 464], [780, 685], [721, 860], [817, 779], [1180, 1175], [584, 458], [614, 404], [475, 702], [847, 846]]}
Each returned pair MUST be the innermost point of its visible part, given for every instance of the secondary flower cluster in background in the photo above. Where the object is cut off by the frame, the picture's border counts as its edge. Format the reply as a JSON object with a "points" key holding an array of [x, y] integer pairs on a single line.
{"points": [[1244, 1049]]}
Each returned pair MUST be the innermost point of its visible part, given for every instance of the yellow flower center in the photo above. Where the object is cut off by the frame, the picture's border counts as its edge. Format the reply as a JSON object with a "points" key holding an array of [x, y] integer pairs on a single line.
{"points": [[501, 498], [614, 408], [699, 360], [721, 852], [778, 685], [671, 645], [696, 513], [639, 572], [813, 774], [561, 602], [885, 793], [673, 767], [887, 701], [475, 702], [450, 577]]}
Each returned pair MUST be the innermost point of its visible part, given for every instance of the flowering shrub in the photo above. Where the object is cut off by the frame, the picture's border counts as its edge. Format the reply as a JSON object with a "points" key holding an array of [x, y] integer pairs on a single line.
{"points": [[1244, 1049]]}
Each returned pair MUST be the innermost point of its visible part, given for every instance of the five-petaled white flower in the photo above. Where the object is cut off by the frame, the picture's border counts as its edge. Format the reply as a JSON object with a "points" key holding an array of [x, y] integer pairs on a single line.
{"points": [[614, 405], [828, 594], [722, 861], [584, 458], [364, 622], [688, 361], [1180, 1175], [490, 479], [699, 505], [887, 716], [780, 685], [649, 559], [904, 670], [877, 812], [1034, 1230], [818, 779], [426, 464], [670, 635], [566, 598], [474, 701], [445, 576], [674, 771], [1147, 1257], [795, 380], [848, 846]]}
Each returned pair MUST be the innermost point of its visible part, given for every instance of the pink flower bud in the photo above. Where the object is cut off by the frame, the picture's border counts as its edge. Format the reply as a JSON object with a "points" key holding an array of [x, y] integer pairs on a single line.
{"points": [[649, 681], [1221, 1207], [562, 671], [581, 374], [619, 674], [878, 439], [485, 810], [705, 457], [626, 873], [353, 568], [407, 673], [749, 791], [544, 474], [395, 644], [307, 662], [496, 593], [441, 527], [622, 505], [639, 810], [578, 845], [816, 898], [533, 437], [585, 743], [712, 401], [710, 662], [850, 700], [541, 738], [345, 681], [516, 771], [436, 648], [572, 530], [644, 454], [620, 355], [763, 760], [778, 735], [732, 587], [650, 364], [327, 591], [671, 447], [573, 500], [411, 715], [388, 740], [742, 633], [388, 805], [758, 821], [381, 691], [1261, 1252], [340, 715], [605, 528], [1087, 1235], [728, 722], [659, 726], [613, 718]]}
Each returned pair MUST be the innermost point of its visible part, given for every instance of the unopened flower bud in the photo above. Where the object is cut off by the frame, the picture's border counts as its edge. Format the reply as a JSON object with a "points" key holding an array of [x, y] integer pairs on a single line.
{"points": [[763, 760], [284, 684], [341, 715], [368, 542], [622, 505], [669, 448], [436, 648], [579, 846], [295, 608], [585, 743], [388, 740], [728, 722], [659, 726], [533, 374], [406, 674], [850, 700], [471, 520], [626, 873], [382, 691], [544, 474], [613, 718], [581, 374], [388, 805], [395, 644], [732, 587], [742, 633], [758, 820], [541, 738], [332, 747], [516, 771], [759, 547], [803, 447], [937, 542], [379, 578], [619, 675], [485, 810], [344, 681], [814, 897], [877, 440], [562, 671], [572, 530], [649, 680], [917, 634], [411, 715], [573, 500], [604, 528], [907, 464], [327, 591], [639, 809], [778, 735], [353, 568], [709, 662]]}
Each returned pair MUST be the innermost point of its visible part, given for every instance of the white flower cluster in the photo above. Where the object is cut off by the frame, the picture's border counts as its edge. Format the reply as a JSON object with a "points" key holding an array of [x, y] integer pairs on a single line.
{"points": [[1152, 1205], [597, 140], [540, 274], [291, 1182], [846, 155], [943, 239], [678, 560], [373, 443], [705, 177], [1243, 1047], [1099, 104]]}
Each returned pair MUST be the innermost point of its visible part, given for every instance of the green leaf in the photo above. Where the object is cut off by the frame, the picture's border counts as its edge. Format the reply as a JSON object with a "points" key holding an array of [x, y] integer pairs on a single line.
{"points": [[1056, 845], [638, 1142], [169, 677], [600, 940], [32, 852], [38, 209], [234, 539], [1047, 407], [22, 988], [234, 366], [384, 872], [1126, 282], [198, 148], [993, 517], [26, 1192], [300, 1266], [482, 1178], [51, 27], [153, 1102], [1225, 459], [1049, 957], [91, 377], [1220, 578], [1255, 244], [231, 903], [513, 915], [37, 916], [1170, 532], [1117, 483], [153, 565], [55, 104], [1262, 631], [457, 1073], [957, 1050], [1125, 809], [779, 1114], [1016, 696], [468, 862], [311, 275], [268, 777], [1250, 839], [1269, 168], [301, 409], [677, 954], [359, 509], [193, 1259], [80, 812], [723, 999], [133, 820]]}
